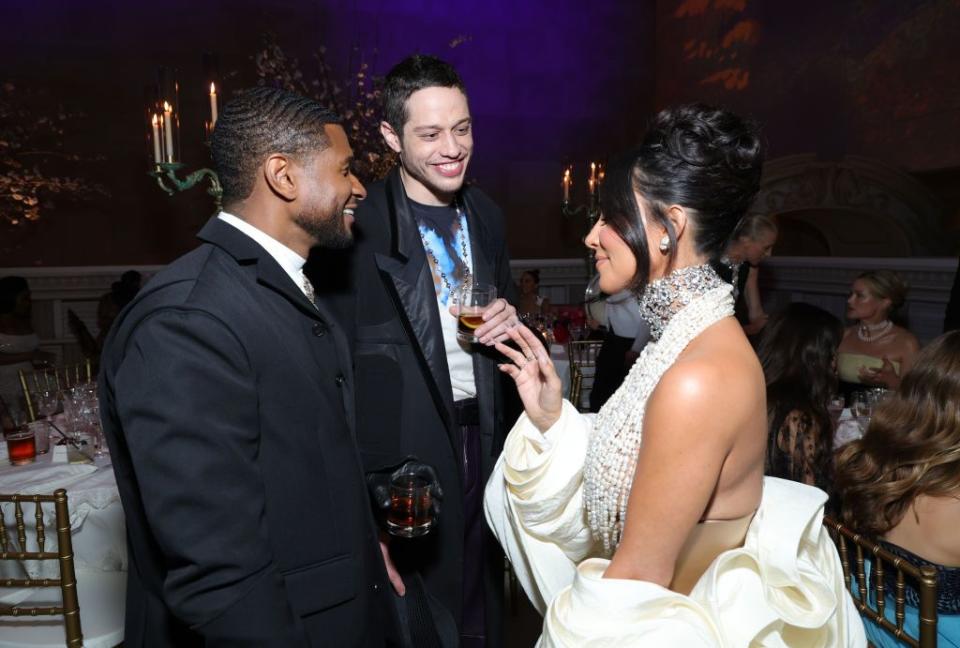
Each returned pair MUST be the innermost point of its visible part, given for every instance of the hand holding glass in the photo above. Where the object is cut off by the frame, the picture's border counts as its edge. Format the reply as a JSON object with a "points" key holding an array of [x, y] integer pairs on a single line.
{"points": [[472, 300], [411, 513]]}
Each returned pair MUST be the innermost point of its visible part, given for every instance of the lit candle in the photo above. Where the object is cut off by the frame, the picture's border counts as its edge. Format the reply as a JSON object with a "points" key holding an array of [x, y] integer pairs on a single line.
{"points": [[155, 123], [566, 185], [213, 105], [168, 130], [593, 173], [593, 185]]}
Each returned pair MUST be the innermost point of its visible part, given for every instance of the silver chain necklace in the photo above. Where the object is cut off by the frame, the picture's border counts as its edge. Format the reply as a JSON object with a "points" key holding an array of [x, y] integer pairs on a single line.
{"points": [[464, 247]]}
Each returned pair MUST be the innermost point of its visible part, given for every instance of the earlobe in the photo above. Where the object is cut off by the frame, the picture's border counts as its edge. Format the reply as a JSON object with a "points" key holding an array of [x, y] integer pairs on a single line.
{"points": [[278, 174], [390, 136]]}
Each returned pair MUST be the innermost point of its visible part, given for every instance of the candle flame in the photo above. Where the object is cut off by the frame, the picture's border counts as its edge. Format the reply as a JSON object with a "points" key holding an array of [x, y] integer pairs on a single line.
{"points": [[156, 119], [213, 88], [167, 107]]}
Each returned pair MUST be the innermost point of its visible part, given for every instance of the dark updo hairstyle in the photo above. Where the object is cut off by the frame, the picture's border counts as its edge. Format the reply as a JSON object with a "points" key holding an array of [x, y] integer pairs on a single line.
{"points": [[534, 274], [10, 288], [704, 159], [797, 352]]}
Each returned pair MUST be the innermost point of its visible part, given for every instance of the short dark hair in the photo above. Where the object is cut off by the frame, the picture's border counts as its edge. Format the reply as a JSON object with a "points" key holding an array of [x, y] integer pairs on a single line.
{"points": [[706, 159], [10, 288], [409, 75], [259, 122]]}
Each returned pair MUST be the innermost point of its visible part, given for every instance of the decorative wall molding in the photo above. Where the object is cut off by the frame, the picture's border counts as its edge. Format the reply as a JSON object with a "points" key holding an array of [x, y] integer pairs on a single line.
{"points": [[823, 281]]}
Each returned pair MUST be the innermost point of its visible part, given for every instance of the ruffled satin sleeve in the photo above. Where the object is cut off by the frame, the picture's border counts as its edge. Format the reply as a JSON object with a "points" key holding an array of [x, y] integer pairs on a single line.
{"points": [[534, 503], [783, 587]]}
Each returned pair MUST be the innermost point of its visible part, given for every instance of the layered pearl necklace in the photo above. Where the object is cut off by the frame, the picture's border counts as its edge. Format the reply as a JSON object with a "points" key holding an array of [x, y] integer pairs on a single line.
{"points": [[871, 332], [679, 307], [464, 245]]}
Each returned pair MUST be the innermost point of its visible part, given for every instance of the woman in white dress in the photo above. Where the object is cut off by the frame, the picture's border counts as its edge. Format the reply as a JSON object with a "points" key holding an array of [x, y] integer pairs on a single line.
{"points": [[678, 540]]}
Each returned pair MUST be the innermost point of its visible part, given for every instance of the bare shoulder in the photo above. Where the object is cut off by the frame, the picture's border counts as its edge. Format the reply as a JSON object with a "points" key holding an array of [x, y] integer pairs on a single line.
{"points": [[907, 340], [716, 366]]}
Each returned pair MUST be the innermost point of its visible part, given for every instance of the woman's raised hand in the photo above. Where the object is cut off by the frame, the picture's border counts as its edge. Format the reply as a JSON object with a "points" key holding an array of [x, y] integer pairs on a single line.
{"points": [[537, 381]]}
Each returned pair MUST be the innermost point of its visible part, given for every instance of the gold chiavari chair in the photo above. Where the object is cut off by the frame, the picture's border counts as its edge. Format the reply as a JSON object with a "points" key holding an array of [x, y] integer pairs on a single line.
{"points": [[33, 382], [582, 354], [867, 583], [70, 608]]}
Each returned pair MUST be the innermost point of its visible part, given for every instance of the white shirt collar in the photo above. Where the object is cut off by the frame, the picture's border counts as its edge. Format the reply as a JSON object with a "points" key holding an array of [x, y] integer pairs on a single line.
{"points": [[290, 261]]}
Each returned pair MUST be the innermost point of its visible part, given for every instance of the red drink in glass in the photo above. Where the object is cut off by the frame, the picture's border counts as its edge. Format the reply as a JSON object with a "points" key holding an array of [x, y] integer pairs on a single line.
{"points": [[21, 447]]}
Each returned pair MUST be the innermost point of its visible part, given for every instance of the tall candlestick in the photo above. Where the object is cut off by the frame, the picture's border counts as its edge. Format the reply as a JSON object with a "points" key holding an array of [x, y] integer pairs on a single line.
{"points": [[566, 185], [155, 124], [593, 172], [168, 130], [213, 105]]}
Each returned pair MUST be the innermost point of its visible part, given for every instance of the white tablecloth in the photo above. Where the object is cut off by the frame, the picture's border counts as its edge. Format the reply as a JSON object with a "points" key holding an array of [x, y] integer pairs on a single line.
{"points": [[96, 515]]}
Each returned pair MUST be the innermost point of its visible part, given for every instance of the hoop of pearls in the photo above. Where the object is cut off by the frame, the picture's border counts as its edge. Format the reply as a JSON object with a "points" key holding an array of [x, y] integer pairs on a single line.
{"points": [[688, 305]]}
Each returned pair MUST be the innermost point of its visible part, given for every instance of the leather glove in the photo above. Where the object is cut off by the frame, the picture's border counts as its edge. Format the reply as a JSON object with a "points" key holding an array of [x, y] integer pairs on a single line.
{"points": [[378, 485]]}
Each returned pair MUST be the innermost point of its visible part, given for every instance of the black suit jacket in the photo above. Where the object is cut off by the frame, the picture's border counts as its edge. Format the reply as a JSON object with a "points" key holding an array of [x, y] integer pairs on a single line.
{"points": [[386, 298], [227, 403]]}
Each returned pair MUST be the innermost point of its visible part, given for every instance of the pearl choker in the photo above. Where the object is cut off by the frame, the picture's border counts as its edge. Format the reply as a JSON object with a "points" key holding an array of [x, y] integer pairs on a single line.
{"points": [[871, 332]]}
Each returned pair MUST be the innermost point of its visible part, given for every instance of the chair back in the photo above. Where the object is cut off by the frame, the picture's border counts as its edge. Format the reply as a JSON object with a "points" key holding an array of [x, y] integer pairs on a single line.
{"points": [[33, 382], [857, 551], [582, 355], [70, 609]]}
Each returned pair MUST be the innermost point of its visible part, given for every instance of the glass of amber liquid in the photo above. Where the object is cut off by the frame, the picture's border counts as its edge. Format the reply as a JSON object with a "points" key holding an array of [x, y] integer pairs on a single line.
{"points": [[410, 514], [21, 446], [473, 299]]}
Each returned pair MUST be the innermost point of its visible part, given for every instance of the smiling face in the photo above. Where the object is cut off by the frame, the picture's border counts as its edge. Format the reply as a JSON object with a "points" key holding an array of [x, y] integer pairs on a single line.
{"points": [[329, 193], [864, 306], [614, 259], [435, 144]]}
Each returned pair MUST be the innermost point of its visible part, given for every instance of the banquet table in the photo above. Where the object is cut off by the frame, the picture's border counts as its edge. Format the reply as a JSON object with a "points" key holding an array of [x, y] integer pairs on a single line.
{"points": [[99, 542]]}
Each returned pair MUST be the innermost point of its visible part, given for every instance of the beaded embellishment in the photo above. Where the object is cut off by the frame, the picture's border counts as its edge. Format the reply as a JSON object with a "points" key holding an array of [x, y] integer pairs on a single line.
{"points": [[679, 307]]}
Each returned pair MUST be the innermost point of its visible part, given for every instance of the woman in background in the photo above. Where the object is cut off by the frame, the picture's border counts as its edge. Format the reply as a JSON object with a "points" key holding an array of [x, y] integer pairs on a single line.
{"points": [[752, 242], [798, 353], [875, 352], [901, 482], [530, 304], [19, 344]]}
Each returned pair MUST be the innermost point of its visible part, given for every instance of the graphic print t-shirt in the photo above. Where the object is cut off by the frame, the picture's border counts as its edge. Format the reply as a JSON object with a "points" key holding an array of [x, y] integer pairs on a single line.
{"points": [[440, 231]]}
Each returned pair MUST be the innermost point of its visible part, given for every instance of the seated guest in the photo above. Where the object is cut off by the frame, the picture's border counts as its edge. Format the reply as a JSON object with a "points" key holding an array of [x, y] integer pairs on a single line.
{"points": [[901, 482], [19, 344], [875, 352], [752, 242], [798, 353], [531, 305]]}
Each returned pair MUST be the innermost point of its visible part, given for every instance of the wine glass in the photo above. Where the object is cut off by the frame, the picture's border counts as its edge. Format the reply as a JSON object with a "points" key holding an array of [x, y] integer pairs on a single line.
{"points": [[592, 292], [473, 299]]}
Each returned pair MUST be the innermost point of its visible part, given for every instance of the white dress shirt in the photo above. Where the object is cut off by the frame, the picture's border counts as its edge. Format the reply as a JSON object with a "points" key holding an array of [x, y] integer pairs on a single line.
{"points": [[290, 261]]}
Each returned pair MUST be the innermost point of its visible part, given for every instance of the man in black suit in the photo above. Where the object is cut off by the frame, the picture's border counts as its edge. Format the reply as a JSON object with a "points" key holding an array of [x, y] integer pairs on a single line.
{"points": [[227, 400], [422, 394]]}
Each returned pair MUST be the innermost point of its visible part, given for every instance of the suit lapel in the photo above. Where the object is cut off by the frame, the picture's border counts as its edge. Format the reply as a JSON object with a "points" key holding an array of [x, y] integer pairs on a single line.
{"points": [[412, 287], [482, 269]]}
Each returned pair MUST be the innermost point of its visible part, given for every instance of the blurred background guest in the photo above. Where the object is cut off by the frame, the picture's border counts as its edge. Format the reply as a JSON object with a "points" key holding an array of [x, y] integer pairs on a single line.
{"points": [[109, 306], [627, 334], [19, 344], [531, 304], [874, 351], [901, 482], [798, 353], [752, 242]]}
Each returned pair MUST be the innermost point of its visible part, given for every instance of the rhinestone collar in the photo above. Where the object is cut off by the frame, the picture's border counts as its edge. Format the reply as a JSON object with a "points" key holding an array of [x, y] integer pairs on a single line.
{"points": [[665, 297]]}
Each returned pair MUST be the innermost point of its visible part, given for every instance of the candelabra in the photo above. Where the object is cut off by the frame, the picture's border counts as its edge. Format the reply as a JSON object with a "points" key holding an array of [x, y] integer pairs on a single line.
{"points": [[163, 134], [166, 172], [590, 211]]}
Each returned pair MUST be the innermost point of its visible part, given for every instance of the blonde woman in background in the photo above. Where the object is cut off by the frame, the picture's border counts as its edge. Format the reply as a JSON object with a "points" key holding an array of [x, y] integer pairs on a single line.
{"points": [[875, 352]]}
